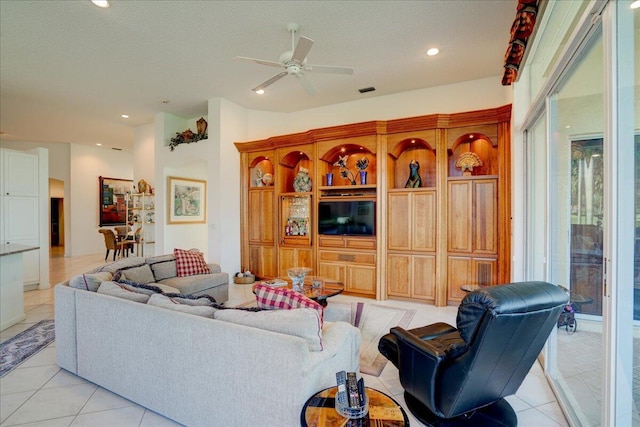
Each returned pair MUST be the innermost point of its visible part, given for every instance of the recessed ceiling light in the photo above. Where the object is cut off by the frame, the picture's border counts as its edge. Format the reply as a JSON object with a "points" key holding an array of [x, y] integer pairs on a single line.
{"points": [[635, 4], [98, 144], [433, 51], [260, 91], [125, 116], [101, 3]]}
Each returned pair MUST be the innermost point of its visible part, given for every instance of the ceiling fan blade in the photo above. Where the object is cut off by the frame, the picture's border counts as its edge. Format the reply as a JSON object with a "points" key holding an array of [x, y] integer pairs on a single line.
{"points": [[270, 81], [261, 61], [328, 69], [306, 84], [302, 49]]}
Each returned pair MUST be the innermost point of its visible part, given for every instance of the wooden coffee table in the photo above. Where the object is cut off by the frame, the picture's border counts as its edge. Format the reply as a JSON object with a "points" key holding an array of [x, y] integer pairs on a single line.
{"points": [[319, 411], [328, 289]]}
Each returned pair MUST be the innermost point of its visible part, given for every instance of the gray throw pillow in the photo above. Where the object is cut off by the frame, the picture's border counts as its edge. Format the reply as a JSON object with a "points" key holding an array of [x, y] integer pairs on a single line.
{"points": [[181, 305], [117, 290], [164, 270], [89, 281], [141, 274]]}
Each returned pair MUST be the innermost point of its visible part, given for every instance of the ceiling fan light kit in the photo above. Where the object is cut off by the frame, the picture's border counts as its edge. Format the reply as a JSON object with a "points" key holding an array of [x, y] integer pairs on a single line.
{"points": [[295, 63]]}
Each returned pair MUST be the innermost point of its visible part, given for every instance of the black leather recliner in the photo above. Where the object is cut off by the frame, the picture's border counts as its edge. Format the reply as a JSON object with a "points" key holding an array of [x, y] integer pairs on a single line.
{"points": [[459, 377]]}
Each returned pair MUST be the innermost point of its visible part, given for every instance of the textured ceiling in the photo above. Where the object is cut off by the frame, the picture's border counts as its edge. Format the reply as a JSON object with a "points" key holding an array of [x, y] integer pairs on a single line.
{"points": [[68, 69]]}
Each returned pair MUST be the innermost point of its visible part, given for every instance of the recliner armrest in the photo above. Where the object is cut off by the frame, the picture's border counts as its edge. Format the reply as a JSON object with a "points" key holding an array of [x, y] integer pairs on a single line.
{"points": [[419, 361]]}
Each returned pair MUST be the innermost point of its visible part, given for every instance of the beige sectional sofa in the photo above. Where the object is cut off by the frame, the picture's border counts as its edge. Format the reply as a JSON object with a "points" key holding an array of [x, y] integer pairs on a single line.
{"points": [[235, 369], [161, 271]]}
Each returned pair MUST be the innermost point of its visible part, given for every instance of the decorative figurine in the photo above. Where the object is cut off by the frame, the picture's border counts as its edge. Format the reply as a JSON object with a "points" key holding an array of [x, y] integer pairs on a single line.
{"points": [[467, 161], [414, 180]]}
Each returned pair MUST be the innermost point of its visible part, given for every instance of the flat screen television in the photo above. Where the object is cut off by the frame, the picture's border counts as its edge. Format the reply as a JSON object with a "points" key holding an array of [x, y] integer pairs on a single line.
{"points": [[347, 218]]}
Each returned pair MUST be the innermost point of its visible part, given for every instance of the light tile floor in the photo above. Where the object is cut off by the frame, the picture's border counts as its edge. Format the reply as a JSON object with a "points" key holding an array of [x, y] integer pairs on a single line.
{"points": [[40, 394]]}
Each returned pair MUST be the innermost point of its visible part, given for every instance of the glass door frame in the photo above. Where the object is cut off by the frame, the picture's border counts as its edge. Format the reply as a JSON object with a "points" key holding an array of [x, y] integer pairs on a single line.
{"points": [[619, 146]]}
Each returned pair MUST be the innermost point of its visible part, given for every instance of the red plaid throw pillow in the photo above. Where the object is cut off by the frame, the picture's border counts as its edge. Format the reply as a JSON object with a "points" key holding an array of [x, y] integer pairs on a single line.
{"points": [[190, 263], [270, 297]]}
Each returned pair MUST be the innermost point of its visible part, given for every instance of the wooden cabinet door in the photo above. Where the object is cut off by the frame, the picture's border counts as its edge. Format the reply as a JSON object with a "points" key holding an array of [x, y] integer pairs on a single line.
{"points": [[262, 260], [423, 221], [399, 275], [332, 270], [260, 216], [399, 221], [361, 279], [423, 277], [459, 216], [459, 272], [485, 217], [294, 257]]}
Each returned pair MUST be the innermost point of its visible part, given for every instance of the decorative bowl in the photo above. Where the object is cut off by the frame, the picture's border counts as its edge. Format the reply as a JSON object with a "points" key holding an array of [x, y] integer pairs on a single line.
{"points": [[297, 275]]}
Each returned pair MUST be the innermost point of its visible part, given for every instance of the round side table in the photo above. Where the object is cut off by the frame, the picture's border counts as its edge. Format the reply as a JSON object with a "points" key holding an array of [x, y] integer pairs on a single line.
{"points": [[319, 411]]}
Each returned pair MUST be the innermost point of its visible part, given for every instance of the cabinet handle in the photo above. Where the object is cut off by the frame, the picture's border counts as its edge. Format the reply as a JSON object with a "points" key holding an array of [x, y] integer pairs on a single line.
{"points": [[346, 257]]}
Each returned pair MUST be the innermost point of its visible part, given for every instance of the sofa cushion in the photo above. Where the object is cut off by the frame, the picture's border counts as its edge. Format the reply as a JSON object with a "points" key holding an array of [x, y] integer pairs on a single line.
{"points": [[140, 274], [120, 264], [270, 297], [89, 281], [163, 266], [190, 263], [199, 307], [300, 322], [196, 284], [122, 291]]}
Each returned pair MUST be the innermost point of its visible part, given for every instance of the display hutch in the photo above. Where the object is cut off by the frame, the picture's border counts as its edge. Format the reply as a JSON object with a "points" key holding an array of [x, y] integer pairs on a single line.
{"points": [[437, 187], [295, 173], [140, 214]]}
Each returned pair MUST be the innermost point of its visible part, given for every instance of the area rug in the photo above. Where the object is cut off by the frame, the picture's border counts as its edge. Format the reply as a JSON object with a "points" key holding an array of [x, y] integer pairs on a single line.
{"points": [[374, 321], [19, 348]]}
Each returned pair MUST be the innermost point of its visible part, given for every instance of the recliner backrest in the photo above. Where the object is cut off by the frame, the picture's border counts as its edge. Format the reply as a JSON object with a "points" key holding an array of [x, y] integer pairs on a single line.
{"points": [[505, 328]]}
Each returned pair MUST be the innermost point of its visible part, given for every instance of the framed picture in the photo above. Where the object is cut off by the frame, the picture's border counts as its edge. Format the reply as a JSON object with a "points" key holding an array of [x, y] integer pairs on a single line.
{"points": [[187, 201], [112, 204]]}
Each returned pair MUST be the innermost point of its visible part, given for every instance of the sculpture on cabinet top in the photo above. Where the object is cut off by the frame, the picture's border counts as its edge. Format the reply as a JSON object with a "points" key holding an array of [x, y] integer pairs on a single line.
{"points": [[302, 181], [414, 180], [467, 161]]}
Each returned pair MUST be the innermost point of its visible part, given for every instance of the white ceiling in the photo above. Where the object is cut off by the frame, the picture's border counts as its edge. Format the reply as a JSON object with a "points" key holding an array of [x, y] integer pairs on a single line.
{"points": [[68, 69]]}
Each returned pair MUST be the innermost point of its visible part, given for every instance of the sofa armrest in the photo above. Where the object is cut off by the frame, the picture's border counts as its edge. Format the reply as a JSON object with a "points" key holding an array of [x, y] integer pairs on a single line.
{"points": [[65, 324], [215, 268]]}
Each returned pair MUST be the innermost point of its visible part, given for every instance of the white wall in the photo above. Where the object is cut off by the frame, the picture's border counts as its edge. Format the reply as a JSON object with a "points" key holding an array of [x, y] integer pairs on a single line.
{"points": [[455, 98], [87, 164]]}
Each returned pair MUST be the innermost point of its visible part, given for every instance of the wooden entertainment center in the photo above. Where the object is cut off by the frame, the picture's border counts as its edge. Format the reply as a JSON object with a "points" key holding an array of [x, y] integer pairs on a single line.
{"points": [[427, 241]]}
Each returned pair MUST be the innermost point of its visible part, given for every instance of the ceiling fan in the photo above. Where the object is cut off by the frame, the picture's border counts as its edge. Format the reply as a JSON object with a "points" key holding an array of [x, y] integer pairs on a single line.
{"points": [[294, 63]]}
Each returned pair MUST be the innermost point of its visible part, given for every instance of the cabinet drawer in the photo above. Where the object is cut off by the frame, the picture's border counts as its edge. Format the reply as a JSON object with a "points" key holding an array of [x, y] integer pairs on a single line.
{"points": [[347, 242], [332, 242], [360, 243], [356, 258]]}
